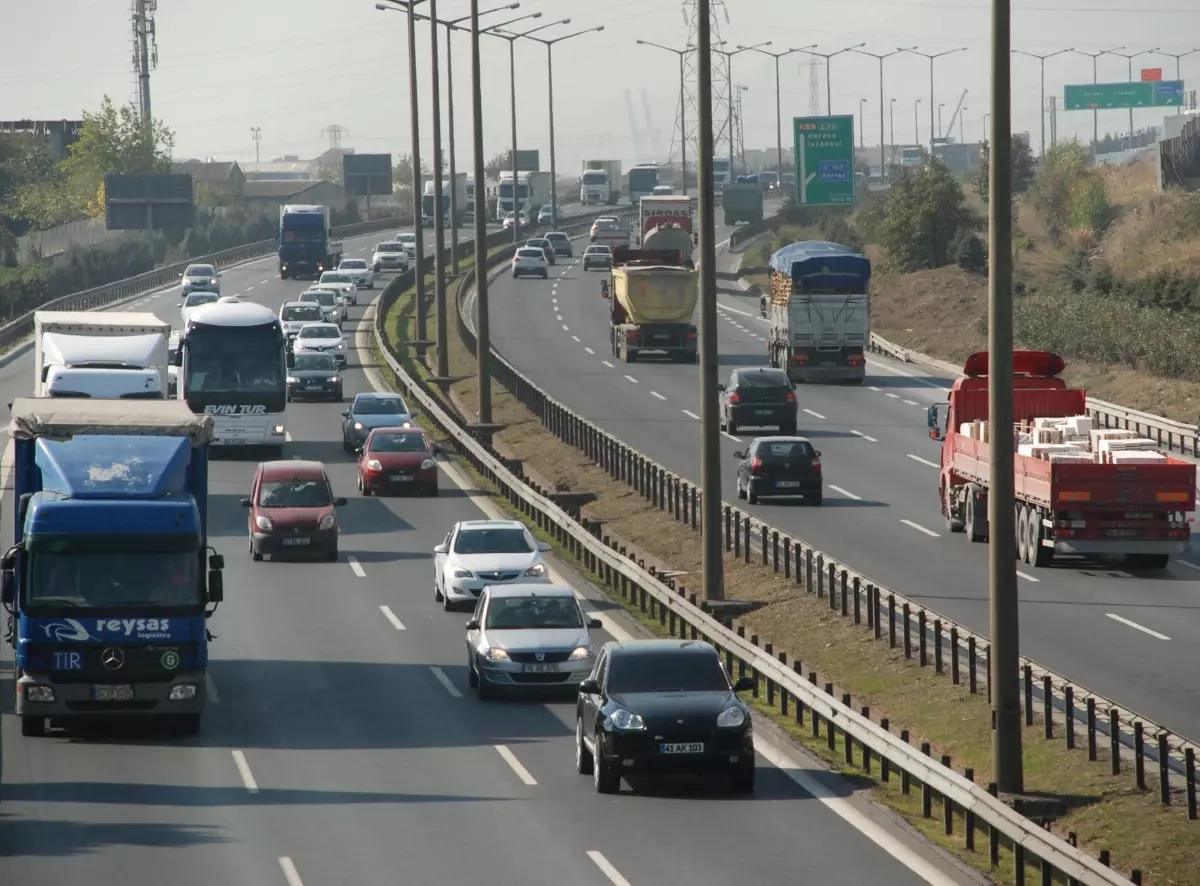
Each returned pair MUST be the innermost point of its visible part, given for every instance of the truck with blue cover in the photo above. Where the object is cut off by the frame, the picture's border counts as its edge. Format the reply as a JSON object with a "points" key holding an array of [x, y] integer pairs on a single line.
{"points": [[307, 247], [110, 578]]}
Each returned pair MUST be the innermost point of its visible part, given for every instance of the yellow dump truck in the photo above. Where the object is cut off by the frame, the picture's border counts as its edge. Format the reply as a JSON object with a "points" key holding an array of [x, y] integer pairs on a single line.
{"points": [[653, 298]]}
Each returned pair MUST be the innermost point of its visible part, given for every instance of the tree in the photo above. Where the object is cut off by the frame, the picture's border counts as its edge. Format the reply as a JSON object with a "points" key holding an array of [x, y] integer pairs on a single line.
{"points": [[402, 174], [502, 162], [1022, 168], [925, 214]]}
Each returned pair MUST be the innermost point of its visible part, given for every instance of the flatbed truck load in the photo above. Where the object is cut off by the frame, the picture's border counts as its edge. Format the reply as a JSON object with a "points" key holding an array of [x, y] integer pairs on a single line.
{"points": [[1080, 491], [653, 298], [110, 575], [742, 201], [820, 311]]}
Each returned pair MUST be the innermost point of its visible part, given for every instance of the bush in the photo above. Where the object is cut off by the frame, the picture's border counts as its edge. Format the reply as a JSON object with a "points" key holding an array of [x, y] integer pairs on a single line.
{"points": [[969, 253], [925, 215]]}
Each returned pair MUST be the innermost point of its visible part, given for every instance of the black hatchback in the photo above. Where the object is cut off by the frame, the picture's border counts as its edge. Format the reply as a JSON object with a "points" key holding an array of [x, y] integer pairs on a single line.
{"points": [[758, 398], [315, 377], [779, 466]]}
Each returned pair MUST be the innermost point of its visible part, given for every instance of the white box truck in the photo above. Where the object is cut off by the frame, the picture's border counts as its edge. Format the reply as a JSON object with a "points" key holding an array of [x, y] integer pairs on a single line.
{"points": [[456, 191], [600, 183], [100, 354], [533, 192]]}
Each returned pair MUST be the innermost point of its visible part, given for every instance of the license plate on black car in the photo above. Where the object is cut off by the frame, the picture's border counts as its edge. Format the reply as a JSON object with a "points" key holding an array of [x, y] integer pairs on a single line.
{"points": [[682, 747], [787, 484], [312, 387], [764, 411], [400, 478], [296, 541], [112, 693]]}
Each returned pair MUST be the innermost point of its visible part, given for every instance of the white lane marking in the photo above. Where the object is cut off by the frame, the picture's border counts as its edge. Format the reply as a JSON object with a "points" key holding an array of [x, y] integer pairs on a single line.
{"points": [[864, 436], [567, 328], [290, 874], [736, 311], [391, 616], [912, 403], [511, 759], [558, 316], [356, 566], [211, 689], [690, 414], [894, 396], [875, 389], [266, 281], [923, 461], [632, 379], [842, 491], [1021, 574], [1136, 626], [606, 868], [731, 437], [445, 681], [657, 394], [243, 768], [813, 414], [589, 350], [609, 365], [248, 288], [920, 528], [576, 337], [1188, 564]]}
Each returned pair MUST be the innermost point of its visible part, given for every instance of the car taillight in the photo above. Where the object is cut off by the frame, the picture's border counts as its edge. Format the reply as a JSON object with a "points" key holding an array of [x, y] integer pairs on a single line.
{"points": [[691, 334], [791, 396], [857, 361], [735, 397], [756, 465], [816, 465]]}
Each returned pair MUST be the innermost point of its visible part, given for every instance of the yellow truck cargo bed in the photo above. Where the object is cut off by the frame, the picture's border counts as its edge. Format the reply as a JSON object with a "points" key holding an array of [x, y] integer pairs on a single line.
{"points": [[657, 294]]}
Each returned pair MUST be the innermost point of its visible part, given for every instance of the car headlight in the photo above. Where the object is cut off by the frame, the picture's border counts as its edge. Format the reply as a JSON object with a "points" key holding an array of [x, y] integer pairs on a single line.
{"points": [[292, 380], [733, 716], [278, 429], [493, 654], [627, 721], [374, 465], [213, 281], [334, 378], [327, 522], [580, 653], [263, 523], [538, 569], [428, 465], [341, 346], [459, 572], [358, 426]]}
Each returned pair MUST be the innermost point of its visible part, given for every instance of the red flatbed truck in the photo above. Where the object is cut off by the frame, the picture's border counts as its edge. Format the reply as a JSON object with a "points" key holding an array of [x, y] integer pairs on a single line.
{"points": [[1093, 510]]}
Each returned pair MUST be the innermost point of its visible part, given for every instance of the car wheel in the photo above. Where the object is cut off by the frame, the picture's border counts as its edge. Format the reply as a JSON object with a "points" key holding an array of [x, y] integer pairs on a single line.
{"points": [[485, 690], [743, 777], [741, 492], [437, 592], [472, 675], [332, 554], [583, 757], [751, 495], [33, 726], [816, 498], [605, 776], [256, 556], [447, 604]]}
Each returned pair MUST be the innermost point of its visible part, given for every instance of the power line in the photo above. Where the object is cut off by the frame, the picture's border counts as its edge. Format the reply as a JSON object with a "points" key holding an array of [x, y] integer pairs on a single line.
{"points": [[334, 133]]}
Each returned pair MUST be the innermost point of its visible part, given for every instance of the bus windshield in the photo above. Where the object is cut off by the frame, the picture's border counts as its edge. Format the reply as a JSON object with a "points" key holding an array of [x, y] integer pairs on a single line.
{"points": [[235, 364], [643, 179]]}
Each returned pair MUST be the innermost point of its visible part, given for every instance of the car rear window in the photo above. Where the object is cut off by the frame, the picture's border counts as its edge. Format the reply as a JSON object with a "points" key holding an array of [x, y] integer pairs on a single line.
{"points": [[785, 449], [765, 379], [533, 613], [530, 253], [201, 271], [302, 313], [390, 247], [293, 494], [557, 238], [492, 541], [399, 443]]}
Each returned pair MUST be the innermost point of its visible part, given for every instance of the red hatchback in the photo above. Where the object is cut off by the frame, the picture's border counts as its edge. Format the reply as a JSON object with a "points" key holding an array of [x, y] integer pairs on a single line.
{"points": [[398, 460], [292, 510]]}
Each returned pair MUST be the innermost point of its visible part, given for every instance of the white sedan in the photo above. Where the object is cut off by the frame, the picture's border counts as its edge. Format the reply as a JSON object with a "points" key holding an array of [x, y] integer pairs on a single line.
{"points": [[390, 256], [358, 268], [478, 553], [341, 282], [321, 338]]}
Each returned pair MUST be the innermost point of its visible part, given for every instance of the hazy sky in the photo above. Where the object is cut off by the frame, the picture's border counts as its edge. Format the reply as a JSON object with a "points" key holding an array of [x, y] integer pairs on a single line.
{"points": [[295, 67]]}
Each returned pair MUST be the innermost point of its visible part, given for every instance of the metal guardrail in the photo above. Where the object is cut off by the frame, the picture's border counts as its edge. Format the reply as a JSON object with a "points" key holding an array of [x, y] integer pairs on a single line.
{"points": [[963, 803], [99, 296]]}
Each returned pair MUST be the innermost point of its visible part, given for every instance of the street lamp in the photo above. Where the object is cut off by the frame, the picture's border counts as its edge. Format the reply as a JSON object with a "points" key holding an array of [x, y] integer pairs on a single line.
{"points": [[861, 143], [729, 54], [828, 72], [916, 125], [1042, 61], [985, 124], [1095, 113], [778, 115], [880, 57], [962, 116], [682, 53], [1177, 56], [887, 169], [1129, 57], [549, 44], [932, 58], [741, 125], [941, 131]]}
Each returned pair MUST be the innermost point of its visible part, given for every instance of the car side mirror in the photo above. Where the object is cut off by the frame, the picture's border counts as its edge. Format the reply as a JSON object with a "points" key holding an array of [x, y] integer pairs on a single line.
{"points": [[744, 684], [589, 687], [720, 387], [216, 586], [595, 624], [931, 418], [441, 549], [216, 561], [179, 305], [818, 453], [8, 587], [339, 502], [245, 502], [739, 455], [473, 625], [345, 413], [544, 546]]}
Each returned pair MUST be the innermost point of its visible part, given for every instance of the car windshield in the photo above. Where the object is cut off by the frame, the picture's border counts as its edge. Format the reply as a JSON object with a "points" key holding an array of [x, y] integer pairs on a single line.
{"points": [[314, 362], [533, 613], [407, 238], [599, 250], [293, 494], [530, 253], [193, 301], [666, 671], [301, 313], [390, 247], [492, 541], [201, 271], [380, 406], [766, 379], [398, 443], [322, 331], [538, 244], [325, 299], [86, 579], [785, 449], [354, 264], [336, 278]]}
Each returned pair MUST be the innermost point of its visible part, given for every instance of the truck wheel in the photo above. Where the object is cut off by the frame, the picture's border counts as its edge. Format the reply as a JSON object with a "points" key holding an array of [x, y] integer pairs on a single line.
{"points": [[953, 524], [731, 427], [33, 727], [1022, 524], [975, 520], [1039, 555]]}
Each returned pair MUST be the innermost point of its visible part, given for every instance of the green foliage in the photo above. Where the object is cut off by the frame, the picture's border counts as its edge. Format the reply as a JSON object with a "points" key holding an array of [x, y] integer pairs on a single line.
{"points": [[1069, 193], [869, 217], [970, 254], [924, 215], [24, 160], [1022, 168], [217, 232]]}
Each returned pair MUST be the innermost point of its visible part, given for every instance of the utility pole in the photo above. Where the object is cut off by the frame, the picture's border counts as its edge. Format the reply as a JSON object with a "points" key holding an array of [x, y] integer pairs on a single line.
{"points": [[887, 172], [879, 57], [862, 144], [916, 123], [728, 55], [256, 134], [681, 118], [145, 52], [934, 56], [713, 558], [1129, 57], [439, 226], [778, 112], [334, 134], [1007, 761], [483, 342], [1042, 62]]}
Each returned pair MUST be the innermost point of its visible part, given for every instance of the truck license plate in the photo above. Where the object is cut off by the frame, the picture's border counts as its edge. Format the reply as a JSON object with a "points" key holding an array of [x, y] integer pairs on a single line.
{"points": [[684, 747], [112, 693], [541, 669], [296, 541]]}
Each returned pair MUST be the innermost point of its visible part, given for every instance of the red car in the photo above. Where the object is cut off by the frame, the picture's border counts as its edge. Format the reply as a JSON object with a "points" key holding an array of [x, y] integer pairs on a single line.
{"points": [[398, 459], [293, 510]]}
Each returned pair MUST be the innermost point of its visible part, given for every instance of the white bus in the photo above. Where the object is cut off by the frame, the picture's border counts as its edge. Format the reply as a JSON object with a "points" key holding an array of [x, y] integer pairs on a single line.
{"points": [[233, 366]]}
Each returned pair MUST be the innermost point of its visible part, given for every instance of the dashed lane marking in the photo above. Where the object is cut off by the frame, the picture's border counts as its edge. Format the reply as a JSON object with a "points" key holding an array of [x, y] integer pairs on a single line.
{"points": [[632, 379], [515, 765], [391, 616], [356, 567], [691, 414], [243, 768], [864, 436], [657, 394], [920, 528], [1136, 626], [840, 491], [441, 677], [813, 414], [290, 874], [606, 868], [924, 461]]}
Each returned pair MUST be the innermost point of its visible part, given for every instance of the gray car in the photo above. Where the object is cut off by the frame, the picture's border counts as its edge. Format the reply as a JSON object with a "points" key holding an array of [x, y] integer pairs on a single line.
{"points": [[528, 636], [200, 278], [295, 315], [330, 301]]}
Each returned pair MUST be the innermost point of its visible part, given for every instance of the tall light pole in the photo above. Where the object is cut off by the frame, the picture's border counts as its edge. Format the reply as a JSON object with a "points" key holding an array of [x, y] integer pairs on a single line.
{"points": [[1129, 57], [916, 124], [1177, 56], [932, 58], [962, 117], [880, 57], [729, 54], [1007, 763], [512, 88], [861, 142], [829, 72], [985, 127], [741, 125], [712, 562], [682, 53], [549, 44], [887, 169], [1095, 113], [778, 113], [941, 132], [1042, 63]]}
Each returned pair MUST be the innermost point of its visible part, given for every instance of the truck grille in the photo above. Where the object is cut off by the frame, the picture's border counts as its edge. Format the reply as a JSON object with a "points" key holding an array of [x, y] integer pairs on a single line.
{"points": [[140, 664]]}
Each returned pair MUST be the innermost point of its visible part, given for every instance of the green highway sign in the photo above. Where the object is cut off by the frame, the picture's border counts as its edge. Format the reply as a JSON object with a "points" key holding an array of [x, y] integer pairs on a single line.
{"points": [[824, 160], [1109, 96]]}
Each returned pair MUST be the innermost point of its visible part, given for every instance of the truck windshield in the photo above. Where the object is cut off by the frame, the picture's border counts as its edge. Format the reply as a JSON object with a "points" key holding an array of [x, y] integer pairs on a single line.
{"points": [[302, 228], [506, 190], [106, 579], [595, 178], [235, 361]]}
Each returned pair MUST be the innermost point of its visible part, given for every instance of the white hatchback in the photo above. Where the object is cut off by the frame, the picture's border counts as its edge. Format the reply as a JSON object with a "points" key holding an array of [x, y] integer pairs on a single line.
{"points": [[358, 268], [343, 283], [321, 338], [530, 261]]}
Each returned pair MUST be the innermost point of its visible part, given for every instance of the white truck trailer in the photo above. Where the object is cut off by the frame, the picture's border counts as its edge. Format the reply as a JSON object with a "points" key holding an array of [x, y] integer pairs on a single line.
{"points": [[533, 192], [101, 354], [600, 183]]}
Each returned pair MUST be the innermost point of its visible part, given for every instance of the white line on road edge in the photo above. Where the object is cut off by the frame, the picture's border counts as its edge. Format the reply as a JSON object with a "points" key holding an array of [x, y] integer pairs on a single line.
{"points": [[576, 337], [814, 414], [894, 396], [1136, 626], [445, 681], [731, 437], [589, 350], [920, 528], [632, 379], [606, 868], [211, 689], [923, 461], [566, 328], [842, 491], [1026, 577], [911, 403], [1188, 564], [875, 389], [864, 436], [391, 616], [243, 768], [609, 365], [511, 759], [691, 414], [356, 566], [657, 394], [289, 871]]}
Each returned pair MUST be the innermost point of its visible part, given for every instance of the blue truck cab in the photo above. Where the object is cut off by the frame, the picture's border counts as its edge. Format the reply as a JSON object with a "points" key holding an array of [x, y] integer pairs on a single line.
{"points": [[110, 577], [307, 247]]}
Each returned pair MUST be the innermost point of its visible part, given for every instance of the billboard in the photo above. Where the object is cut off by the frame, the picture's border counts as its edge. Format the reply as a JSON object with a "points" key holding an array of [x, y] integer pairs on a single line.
{"points": [[60, 134], [149, 202], [528, 161], [367, 175]]}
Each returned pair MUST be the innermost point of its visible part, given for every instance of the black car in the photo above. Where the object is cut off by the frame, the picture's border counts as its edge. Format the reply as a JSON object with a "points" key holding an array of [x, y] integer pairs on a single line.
{"points": [[758, 398], [659, 707], [314, 377], [779, 466], [374, 410], [546, 246]]}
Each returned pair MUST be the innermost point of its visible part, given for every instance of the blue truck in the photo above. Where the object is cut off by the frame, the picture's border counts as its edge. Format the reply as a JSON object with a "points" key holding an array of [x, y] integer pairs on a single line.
{"points": [[110, 579], [307, 247]]}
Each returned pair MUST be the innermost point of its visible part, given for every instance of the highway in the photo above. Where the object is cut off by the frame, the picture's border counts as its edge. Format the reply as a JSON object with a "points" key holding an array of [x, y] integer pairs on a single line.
{"points": [[1130, 638], [344, 746]]}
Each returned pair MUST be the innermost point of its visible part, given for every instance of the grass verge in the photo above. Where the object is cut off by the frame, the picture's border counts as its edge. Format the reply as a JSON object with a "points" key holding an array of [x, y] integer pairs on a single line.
{"points": [[1103, 811]]}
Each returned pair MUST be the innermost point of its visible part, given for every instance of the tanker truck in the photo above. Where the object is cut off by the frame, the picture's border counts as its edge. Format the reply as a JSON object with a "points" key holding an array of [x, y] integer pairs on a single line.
{"points": [[653, 297]]}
